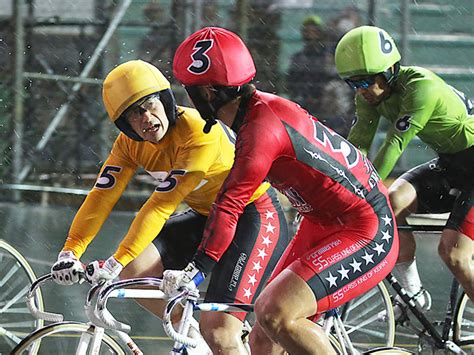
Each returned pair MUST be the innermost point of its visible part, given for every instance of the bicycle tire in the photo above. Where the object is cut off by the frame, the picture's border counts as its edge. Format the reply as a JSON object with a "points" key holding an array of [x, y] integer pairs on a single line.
{"points": [[59, 335], [16, 276], [369, 320], [463, 326]]}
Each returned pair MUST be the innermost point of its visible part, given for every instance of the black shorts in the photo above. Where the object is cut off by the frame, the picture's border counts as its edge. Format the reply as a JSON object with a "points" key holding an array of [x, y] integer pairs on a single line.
{"points": [[446, 184], [248, 262]]}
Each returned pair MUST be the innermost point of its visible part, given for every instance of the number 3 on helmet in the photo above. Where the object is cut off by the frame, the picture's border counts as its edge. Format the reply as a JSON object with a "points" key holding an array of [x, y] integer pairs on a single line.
{"points": [[213, 56]]}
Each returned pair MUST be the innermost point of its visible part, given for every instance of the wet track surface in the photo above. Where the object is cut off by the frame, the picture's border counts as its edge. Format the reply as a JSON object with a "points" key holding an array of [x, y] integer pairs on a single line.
{"points": [[38, 232]]}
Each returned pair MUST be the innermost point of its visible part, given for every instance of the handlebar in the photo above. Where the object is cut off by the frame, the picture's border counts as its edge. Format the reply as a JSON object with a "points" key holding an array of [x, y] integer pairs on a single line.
{"points": [[191, 305], [179, 336], [30, 301], [100, 315]]}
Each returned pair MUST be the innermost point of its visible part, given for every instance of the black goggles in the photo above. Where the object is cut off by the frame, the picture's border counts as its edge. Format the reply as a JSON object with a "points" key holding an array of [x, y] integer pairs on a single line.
{"points": [[361, 84], [147, 103]]}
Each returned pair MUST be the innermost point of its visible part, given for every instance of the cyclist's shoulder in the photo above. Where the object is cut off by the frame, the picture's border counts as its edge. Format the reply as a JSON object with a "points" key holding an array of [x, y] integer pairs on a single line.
{"points": [[414, 80]]}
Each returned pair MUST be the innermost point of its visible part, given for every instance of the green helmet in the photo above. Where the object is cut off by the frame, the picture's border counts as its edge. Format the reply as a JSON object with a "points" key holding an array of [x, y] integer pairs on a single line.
{"points": [[365, 50]]}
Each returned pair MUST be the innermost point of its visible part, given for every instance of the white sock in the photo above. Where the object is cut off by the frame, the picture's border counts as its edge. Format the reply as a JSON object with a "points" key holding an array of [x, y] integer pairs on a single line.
{"points": [[407, 274]]}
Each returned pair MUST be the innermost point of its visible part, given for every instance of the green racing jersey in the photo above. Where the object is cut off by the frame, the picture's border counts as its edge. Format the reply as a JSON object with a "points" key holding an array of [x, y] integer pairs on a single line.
{"points": [[421, 104]]}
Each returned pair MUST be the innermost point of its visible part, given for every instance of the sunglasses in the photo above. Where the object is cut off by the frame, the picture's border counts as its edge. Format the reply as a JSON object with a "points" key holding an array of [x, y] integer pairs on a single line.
{"points": [[362, 83], [148, 103]]}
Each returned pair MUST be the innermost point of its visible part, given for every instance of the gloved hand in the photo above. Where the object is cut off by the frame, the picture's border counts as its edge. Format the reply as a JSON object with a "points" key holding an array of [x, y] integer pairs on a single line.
{"points": [[175, 281], [100, 270], [67, 270]]}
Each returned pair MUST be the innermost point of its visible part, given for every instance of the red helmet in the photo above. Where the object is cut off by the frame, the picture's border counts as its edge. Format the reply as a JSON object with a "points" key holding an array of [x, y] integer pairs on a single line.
{"points": [[213, 56]]}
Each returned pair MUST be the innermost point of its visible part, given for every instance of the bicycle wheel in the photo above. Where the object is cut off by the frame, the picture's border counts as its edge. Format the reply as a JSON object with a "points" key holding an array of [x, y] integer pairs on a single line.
{"points": [[369, 319], [16, 276], [463, 327], [64, 338]]}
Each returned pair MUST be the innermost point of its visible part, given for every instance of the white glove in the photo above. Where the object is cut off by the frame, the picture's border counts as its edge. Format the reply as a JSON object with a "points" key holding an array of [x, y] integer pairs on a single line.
{"points": [[98, 271], [175, 281], [67, 270]]}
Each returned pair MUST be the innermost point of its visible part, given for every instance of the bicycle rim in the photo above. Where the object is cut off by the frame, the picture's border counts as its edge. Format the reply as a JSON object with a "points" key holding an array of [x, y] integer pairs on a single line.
{"points": [[16, 276], [369, 320], [463, 327], [64, 338]]}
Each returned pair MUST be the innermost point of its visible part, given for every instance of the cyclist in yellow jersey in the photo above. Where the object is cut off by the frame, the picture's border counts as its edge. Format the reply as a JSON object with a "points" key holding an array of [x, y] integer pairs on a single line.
{"points": [[189, 166]]}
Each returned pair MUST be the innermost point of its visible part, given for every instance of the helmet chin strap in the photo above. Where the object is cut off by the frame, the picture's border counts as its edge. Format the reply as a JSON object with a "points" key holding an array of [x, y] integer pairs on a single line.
{"points": [[391, 74], [209, 123], [208, 109]]}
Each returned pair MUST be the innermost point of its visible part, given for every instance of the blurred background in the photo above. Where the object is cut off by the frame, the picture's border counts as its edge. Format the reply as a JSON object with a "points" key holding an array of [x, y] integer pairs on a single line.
{"points": [[54, 54], [55, 134]]}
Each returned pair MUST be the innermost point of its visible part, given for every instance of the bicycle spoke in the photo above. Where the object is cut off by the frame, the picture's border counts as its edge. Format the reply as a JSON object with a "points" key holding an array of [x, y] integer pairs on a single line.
{"points": [[18, 297], [360, 326], [365, 311], [9, 274], [362, 323], [15, 281], [363, 298], [9, 335]]}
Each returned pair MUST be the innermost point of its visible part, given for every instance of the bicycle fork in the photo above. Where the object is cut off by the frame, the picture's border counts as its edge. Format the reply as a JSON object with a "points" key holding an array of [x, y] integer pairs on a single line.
{"points": [[438, 341]]}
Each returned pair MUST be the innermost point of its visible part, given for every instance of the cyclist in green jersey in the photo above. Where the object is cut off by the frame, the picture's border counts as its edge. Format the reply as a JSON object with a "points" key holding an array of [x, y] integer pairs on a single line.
{"points": [[416, 102]]}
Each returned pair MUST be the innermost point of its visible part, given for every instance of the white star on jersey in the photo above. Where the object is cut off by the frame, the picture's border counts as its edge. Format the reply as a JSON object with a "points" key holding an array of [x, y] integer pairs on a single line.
{"points": [[252, 279], [378, 248], [247, 293], [387, 220], [270, 228], [332, 280], [386, 236], [256, 266], [343, 272], [267, 241], [368, 258], [261, 253], [355, 265], [269, 215]]}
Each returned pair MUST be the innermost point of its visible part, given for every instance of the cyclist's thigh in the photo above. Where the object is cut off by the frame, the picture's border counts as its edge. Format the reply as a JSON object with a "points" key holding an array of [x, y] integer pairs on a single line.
{"points": [[147, 263], [349, 259], [299, 245], [179, 238], [260, 239], [462, 215], [432, 187]]}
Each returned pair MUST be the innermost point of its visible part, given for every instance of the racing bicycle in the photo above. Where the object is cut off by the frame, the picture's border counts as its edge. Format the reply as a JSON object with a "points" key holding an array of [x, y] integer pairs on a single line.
{"points": [[454, 333], [16, 277], [106, 335]]}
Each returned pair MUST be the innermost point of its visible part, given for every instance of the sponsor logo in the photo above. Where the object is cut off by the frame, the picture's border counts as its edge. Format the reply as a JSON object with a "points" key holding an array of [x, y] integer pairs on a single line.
{"points": [[237, 271]]}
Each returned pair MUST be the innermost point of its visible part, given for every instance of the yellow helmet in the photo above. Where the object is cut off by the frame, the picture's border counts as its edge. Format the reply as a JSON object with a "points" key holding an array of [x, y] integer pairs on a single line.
{"points": [[130, 82]]}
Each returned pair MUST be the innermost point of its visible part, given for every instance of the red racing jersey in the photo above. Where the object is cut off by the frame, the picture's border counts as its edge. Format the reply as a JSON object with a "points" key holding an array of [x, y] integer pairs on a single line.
{"points": [[324, 176]]}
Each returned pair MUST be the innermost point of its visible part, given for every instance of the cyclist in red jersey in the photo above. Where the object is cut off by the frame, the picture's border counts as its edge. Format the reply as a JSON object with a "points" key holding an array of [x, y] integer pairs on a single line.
{"points": [[347, 241]]}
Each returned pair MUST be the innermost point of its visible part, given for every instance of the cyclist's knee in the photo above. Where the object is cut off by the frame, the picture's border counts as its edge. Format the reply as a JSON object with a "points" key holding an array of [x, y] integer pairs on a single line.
{"points": [[221, 338], [272, 318], [400, 205], [454, 258]]}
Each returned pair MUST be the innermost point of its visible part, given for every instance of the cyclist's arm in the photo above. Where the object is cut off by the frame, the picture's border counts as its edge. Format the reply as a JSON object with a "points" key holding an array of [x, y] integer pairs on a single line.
{"points": [[111, 182], [189, 169], [417, 107], [363, 132], [254, 157], [154, 213]]}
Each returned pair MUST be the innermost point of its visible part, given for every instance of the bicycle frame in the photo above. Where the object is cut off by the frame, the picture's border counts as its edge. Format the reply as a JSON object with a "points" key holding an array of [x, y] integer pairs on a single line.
{"points": [[102, 316], [440, 341], [85, 339]]}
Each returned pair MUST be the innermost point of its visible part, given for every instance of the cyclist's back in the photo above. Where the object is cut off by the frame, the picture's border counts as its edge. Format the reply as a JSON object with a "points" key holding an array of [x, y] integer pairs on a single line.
{"points": [[342, 180]]}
